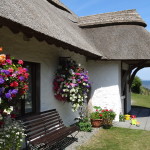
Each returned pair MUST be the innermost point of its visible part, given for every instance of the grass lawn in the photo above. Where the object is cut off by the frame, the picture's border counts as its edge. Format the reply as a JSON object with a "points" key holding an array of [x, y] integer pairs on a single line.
{"points": [[141, 100], [118, 139]]}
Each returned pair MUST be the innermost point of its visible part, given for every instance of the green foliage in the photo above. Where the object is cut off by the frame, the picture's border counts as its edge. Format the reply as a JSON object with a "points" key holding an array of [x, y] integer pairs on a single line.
{"points": [[11, 135], [97, 113], [136, 85], [121, 118], [83, 121], [108, 114], [145, 91], [85, 125]]}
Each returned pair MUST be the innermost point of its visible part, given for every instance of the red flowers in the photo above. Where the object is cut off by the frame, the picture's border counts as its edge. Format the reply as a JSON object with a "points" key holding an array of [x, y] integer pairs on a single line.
{"points": [[13, 80], [14, 84], [10, 70], [100, 115], [13, 115]]}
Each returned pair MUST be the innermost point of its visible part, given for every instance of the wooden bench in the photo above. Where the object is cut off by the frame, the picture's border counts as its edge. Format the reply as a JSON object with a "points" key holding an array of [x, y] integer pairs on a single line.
{"points": [[46, 129]]}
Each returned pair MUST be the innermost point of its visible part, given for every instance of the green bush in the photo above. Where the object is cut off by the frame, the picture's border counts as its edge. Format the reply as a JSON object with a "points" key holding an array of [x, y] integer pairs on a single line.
{"points": [[136, 85], [85, 125]]}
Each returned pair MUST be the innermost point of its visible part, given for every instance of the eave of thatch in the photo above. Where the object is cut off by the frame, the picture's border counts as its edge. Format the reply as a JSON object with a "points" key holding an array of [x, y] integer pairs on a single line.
{"points": [[112, 36], [45, 21]]}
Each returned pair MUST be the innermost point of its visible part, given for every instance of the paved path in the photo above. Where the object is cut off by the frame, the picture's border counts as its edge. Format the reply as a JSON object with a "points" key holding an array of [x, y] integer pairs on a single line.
{"points": [[143, 116]]}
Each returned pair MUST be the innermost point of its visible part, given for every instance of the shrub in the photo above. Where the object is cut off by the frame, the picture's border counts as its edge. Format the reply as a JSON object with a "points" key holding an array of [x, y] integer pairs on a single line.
{"points": [[85, 125], [136, 85]]}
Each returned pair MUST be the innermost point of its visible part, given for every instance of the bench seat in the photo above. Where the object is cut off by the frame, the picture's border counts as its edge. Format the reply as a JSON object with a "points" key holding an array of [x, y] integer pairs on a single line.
{"points": [[46, 128]]}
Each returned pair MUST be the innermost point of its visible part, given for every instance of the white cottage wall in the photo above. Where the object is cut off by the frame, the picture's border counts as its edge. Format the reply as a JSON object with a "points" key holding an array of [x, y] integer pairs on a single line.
{"points": [[48, 56], [106, 85]]}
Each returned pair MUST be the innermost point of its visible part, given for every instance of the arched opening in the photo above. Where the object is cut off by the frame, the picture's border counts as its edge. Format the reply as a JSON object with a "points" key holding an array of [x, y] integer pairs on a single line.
{"points": [[140, 96], [128, 72], [140, 106]]}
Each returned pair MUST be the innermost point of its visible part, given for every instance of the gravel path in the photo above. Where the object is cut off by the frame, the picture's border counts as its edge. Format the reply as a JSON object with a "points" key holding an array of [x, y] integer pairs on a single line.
{"points": [[83, 137]]}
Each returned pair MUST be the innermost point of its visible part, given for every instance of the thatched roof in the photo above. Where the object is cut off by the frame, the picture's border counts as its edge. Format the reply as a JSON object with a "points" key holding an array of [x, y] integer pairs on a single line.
{"points": [[116, 36], [113, 18], [123, 42], [47, 19]]}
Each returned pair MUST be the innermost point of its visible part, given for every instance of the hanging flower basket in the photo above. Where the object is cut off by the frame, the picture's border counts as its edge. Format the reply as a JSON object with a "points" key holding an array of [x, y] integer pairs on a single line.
{"points": [[13, 81], [71, 83]]}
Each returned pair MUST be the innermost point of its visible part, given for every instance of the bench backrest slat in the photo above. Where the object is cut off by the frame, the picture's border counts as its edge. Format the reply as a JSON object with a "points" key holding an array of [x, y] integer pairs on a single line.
{"points": [[42, 123]]}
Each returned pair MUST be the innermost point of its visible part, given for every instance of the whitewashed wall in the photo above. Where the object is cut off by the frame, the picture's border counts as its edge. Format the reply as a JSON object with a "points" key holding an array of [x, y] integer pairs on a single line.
{"points": [[106, 85], [105, 76], [47, 56]]}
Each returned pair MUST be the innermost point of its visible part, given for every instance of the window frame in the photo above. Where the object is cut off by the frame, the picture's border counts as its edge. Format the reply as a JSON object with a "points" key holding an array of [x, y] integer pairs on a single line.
{"points": [[35, 73]]}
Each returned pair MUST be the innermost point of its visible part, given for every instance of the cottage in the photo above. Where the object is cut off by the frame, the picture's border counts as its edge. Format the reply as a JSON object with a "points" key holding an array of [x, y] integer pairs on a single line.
{"points": [[108, 45]]}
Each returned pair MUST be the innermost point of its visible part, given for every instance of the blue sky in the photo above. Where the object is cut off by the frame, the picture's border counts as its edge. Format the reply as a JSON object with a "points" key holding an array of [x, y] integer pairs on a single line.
{"points": [[90, 7]]}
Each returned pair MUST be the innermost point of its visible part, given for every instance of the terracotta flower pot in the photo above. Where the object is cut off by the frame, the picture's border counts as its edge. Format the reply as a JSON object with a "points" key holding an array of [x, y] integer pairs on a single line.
{"points": [[96, 123]]}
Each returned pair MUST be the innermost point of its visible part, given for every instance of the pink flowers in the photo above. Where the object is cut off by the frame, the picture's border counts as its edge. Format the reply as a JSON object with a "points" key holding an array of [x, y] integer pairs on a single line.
{"points": [[78, 74], [71, 83], [13, 81], [20, 62]]}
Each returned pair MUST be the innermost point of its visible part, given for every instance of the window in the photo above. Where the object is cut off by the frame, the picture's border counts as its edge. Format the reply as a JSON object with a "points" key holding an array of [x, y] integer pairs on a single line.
{"points": [[30, 103]]}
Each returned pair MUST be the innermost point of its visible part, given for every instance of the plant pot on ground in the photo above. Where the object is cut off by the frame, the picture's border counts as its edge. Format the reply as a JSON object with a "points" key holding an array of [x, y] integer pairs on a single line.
{"points": [[108, 117], [96, 117], [107, 123], [96, 123]]}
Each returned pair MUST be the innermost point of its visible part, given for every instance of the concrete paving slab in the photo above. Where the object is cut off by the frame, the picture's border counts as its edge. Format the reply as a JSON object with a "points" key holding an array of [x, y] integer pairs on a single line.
{"points": [[143, 116]]}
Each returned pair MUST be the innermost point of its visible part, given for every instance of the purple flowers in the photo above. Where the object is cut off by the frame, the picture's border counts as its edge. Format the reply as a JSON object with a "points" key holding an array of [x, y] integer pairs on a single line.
{"points": [[13, 81], [11, 93], [21, 78], [74, 86], [8, 95], [14, 91], [1, 80], [5, 72]]}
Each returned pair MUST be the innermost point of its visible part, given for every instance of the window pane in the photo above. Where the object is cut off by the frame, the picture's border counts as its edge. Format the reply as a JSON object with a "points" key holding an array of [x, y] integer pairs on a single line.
{"points": [[28, 96]]}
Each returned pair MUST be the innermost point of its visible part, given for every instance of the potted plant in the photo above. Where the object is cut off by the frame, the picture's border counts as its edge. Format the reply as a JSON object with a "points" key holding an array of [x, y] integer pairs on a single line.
{"points": [[108, 117], [96, 117]]}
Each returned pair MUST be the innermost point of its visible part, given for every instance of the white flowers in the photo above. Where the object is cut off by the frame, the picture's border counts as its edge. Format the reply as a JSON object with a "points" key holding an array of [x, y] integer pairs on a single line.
{"points": [[9, 110], [71, 83], [12, 135]]}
